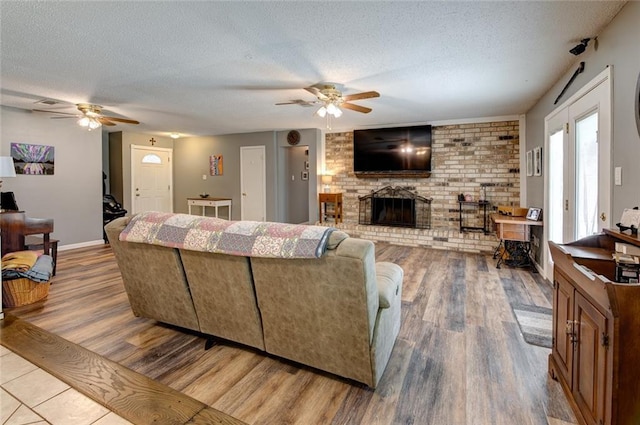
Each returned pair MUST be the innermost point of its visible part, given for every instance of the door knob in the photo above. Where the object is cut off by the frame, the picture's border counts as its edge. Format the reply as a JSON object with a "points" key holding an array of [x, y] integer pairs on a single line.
{"points": [[244, 194], [603, 216]]}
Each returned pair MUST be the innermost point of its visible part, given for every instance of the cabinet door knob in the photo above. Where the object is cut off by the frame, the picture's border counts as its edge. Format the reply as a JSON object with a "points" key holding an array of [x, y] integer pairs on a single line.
{"points": [[569, 327], [603, 216]]}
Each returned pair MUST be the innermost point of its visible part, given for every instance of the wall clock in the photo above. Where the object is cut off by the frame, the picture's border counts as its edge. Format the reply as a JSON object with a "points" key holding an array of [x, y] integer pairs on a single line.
{"points": [[293, 137]]}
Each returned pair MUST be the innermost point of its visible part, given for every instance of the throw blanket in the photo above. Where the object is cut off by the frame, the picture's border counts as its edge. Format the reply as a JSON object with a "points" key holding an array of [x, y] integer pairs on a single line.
{"points": [[19, 260], [243, 238], [40, 272]]}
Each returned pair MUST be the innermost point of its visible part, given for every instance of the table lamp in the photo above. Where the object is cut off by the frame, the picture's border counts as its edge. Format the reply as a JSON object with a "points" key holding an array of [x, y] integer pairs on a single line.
{"points": [[326, 180], [7, 169]]}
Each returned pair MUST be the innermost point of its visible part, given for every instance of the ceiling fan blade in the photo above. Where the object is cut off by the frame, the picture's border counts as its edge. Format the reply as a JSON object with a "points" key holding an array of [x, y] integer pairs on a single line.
{"points": [[298, 102], [55, 112], [316, 92], [105, 121], [356, 108], [124, 120], [358, 96]]}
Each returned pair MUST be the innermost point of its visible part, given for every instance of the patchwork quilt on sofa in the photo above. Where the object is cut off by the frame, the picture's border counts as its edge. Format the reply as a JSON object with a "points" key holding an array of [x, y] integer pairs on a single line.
{"points": [[244, 238]]}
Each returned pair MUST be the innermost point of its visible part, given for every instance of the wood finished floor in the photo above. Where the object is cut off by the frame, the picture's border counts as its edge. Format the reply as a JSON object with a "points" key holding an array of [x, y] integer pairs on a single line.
{"points": [[459, 358]]}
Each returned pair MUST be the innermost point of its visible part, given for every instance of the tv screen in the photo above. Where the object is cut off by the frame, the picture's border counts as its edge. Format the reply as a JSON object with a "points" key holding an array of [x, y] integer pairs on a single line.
{"points": [[398, 150]]}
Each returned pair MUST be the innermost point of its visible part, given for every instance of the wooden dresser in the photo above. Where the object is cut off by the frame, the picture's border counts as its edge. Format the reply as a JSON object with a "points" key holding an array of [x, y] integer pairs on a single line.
{"points": [[596, 331]]}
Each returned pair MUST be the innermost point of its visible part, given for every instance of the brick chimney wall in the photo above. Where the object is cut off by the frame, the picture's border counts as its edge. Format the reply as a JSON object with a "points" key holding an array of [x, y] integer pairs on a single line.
{"points": [[465, 159]]}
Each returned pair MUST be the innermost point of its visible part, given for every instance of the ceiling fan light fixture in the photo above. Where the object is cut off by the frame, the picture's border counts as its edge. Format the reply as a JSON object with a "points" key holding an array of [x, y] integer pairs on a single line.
{"points": [[93, 124], [89, 122], [331, 109], [337, 113], [322, 112]]}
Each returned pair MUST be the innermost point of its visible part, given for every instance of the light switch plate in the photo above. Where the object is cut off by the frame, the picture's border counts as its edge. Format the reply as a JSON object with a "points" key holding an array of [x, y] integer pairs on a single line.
{"points": [[618, 176]]}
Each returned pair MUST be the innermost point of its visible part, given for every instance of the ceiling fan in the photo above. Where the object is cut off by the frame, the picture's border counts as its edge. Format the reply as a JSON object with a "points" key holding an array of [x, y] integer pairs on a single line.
{"points": [[332, 99], [91, 116]]}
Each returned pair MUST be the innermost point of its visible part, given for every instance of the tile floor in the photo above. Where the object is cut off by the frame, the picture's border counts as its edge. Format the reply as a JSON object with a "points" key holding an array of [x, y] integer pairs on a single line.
{"points": [[29, 395]]}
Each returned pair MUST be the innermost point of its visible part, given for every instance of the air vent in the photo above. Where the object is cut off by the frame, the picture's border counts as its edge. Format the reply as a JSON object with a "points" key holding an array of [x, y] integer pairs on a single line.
{"points": [[49, 102]]}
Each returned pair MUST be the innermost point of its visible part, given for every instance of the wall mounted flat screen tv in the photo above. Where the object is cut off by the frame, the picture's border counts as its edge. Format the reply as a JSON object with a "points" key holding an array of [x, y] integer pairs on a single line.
{"points": [[397, 151]]}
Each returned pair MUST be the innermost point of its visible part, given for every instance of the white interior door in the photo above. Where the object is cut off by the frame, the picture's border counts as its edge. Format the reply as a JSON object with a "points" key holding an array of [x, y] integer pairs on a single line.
{"points": [[578, 178], [253, 183], [151, 179]]}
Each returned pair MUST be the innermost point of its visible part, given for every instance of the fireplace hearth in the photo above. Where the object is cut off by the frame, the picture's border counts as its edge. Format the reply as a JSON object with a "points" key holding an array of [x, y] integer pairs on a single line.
{"points": [[397, 207]]}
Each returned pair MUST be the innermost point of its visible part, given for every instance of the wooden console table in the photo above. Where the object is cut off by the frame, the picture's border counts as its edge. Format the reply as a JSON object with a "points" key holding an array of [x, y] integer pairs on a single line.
{"points": [[330, 198], [210, 202], [515, 239]]}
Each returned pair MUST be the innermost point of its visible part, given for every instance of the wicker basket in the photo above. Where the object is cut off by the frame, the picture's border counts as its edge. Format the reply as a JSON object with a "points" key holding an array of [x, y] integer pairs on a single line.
{"points": [[19, 292]]}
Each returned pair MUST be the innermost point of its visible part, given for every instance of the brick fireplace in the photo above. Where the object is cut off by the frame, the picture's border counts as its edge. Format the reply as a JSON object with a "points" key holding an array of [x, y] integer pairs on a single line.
{"points": [[466, 158], [395, 207]]}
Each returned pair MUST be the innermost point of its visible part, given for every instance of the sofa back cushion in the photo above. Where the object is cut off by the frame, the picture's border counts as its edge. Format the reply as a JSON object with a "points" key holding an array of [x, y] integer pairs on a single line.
{"points": [[223, 295], [321, 312], [153, 279]]}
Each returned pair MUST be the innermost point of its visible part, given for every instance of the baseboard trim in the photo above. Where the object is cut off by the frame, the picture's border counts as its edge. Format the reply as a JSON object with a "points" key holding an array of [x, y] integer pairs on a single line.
{"points": [[81, 245]]}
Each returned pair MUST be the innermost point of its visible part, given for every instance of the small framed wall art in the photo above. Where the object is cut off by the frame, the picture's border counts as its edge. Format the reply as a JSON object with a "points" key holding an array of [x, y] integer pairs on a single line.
{"points": [[215, 165], [537, 161], [529, 163]]}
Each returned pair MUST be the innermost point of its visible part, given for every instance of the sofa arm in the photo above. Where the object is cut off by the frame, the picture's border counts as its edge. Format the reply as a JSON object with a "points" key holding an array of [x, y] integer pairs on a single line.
{"points": [[389, 278]]}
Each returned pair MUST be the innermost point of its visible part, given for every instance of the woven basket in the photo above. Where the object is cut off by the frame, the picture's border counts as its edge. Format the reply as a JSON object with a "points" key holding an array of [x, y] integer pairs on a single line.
{"points": [[19, 292]]}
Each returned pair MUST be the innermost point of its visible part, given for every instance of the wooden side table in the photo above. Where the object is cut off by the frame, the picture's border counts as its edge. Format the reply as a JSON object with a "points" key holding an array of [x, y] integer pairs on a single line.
{"points": [[330, 198]]}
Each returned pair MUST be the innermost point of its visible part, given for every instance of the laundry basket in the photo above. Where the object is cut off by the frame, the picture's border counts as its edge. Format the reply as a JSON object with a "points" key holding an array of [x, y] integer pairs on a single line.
{"points": [[23, 291]]}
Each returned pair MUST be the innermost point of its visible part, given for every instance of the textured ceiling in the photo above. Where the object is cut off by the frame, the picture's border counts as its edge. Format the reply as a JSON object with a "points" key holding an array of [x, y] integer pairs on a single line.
{"points": [[206, 68]]}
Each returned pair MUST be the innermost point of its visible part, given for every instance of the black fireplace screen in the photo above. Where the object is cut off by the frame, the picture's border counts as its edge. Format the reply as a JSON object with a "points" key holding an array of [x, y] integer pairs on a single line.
{"points": [[399, 207]]}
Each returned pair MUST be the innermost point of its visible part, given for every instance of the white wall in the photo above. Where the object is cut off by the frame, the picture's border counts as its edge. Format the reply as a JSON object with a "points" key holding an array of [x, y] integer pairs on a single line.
{"points": [[73, 195], [618, 46]]}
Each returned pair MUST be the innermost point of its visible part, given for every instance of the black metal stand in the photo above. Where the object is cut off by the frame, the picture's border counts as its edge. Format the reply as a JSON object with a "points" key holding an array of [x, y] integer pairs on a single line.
{"points": [[514, 254], [478, 205]]}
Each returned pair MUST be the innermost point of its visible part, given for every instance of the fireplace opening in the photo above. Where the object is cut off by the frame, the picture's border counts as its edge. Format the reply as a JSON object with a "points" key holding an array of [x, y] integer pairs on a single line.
{"points": [[397, 207]]}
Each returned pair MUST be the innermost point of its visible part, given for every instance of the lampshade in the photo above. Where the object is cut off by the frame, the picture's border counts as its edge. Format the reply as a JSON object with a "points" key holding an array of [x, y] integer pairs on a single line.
{"points": [[7, 169], [326, 181]]}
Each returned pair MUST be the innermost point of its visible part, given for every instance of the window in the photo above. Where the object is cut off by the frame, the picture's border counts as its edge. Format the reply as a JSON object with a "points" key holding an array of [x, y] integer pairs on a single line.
{"points": [[151, 158]]}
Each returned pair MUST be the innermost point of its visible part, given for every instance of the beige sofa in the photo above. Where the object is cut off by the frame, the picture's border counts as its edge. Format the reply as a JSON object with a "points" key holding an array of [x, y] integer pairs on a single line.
{"points": [[339, 313]]}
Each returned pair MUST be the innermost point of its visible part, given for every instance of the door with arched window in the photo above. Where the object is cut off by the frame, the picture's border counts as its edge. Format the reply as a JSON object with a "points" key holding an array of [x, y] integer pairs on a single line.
{"points": [[151, 179]]}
